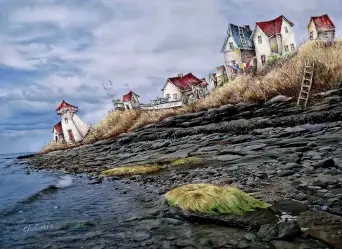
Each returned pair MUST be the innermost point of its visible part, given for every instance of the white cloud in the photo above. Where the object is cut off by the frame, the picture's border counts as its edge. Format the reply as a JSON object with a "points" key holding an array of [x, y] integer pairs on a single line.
{"points": [[58, 15]]}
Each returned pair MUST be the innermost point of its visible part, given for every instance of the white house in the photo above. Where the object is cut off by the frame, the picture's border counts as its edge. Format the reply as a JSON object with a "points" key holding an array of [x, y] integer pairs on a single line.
{"points": [[238, 48], [181, 88], [57, 132], [212, 82], [131, 100], [274, 36], [321, 28], [71, 128]]}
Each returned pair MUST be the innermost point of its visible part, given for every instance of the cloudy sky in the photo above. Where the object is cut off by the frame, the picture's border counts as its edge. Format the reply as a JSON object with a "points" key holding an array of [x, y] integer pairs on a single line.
{"points": [[52, 50]]}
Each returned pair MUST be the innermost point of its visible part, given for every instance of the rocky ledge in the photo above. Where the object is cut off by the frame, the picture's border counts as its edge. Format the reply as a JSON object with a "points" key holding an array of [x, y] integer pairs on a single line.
{"points": [[277, 152]]}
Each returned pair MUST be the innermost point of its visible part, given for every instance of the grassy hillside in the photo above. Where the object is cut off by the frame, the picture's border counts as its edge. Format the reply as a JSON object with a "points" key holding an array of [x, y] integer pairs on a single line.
{"points": [[283, 78]]}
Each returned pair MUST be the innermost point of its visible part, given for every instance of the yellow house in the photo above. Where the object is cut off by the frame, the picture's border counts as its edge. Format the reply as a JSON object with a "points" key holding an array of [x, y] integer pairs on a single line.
{"points": [[321, 28]]}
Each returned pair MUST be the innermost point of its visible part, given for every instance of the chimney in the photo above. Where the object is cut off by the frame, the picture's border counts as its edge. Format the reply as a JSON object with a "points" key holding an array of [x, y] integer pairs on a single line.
{"points": [[180, 75], [246, 27]]}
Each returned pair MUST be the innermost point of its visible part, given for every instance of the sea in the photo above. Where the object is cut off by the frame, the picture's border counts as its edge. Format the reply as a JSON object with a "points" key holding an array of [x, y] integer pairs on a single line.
{"points": [[41, 209], [48, 210]]}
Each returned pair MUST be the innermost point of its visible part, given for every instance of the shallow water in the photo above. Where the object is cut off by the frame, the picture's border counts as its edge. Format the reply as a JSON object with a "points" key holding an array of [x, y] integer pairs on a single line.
{"points": [[76, 214]]}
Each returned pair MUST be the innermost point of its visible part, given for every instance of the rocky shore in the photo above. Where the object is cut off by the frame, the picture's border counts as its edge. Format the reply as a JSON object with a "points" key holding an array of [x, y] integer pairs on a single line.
{"points": [[282, 154]]}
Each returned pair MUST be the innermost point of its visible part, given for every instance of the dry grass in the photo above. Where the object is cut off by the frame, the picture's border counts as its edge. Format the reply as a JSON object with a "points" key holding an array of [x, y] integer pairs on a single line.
{"points": [[212, 199], [283, 79], [131, 170], [185, 161]]}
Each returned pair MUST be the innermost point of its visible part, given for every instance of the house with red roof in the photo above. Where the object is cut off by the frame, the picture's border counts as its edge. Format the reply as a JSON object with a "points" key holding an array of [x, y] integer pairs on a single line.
{"points": [[273, 37], [71, 128], [131, 100], [321, 28], [184, 88]]}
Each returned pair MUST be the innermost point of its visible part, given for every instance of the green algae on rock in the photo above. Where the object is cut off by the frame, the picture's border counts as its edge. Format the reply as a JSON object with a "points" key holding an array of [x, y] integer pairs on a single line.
{"points": [[131, 170]]}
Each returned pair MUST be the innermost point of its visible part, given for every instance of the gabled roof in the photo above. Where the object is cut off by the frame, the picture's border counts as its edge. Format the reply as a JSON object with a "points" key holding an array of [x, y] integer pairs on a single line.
{"points": [[234, 31], [185, 82], [204, 83], [322, 23], [128, 97], [64, 104], [58, 127], [272, 27]]}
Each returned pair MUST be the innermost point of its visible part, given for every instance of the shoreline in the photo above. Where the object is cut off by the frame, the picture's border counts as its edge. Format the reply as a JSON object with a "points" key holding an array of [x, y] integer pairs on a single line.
{"points": [[270, 151]]}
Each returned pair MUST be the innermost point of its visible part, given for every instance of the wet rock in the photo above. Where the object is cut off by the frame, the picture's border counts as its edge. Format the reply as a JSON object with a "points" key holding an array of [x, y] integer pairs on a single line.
{"points": [[250, 236], [184, 243], [324, 226], [281, 230], [228, 157], [283, 173], [326, 163], [140, 235], [290, 166], [290, 207]]}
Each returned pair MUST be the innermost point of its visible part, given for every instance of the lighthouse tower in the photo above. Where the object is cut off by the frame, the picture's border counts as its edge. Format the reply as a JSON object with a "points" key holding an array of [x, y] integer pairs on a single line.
{"points": [[72, 128]]}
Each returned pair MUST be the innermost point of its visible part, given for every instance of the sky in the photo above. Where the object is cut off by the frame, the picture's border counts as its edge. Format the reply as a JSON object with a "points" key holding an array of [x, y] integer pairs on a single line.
{"points": [[54, 50]]}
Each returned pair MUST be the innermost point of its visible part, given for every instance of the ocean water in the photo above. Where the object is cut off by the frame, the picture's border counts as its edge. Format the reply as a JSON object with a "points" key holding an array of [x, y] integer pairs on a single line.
{"points": [[16, 184], [45, 210]]}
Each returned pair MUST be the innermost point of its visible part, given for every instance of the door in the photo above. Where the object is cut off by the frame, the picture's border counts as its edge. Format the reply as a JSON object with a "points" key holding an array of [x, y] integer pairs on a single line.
{"points": [[263, 59], [71, 136]]}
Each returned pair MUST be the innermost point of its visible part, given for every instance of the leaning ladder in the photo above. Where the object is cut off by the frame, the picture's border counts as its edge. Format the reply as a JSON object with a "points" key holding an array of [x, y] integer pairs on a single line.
{"points": [[305, 89]]}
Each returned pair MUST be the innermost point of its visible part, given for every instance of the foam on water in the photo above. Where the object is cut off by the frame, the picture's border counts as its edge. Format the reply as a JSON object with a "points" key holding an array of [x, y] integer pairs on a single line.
{"points": [[64, 181]]}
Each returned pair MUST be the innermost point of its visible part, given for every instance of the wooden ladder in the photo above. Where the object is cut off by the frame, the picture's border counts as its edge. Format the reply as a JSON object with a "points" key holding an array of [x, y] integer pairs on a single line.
{"points": [[305, 89]]}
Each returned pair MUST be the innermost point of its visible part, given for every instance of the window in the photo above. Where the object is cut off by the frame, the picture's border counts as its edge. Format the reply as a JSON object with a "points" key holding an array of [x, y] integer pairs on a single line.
{"points": [[311, 35], [259, 39], [167, 96], [293, 47], [231, 45], [175, 96], [286, 30], [66, 120], [286, 47], [263, 59], [325, 34]]}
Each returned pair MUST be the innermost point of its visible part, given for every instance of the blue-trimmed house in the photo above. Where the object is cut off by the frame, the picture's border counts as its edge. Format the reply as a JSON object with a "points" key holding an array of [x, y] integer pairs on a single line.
{"points": [[238, 48]]}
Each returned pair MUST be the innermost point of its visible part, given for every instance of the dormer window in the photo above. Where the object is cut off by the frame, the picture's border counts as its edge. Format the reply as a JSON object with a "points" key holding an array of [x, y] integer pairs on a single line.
{"points": [[231, 45], [259, 39], [286, 30]]}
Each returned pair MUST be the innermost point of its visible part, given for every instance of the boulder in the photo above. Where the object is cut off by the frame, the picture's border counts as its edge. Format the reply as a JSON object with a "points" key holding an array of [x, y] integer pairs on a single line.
{"points": [[283, 230], [324, 226], [326, 163], [291, 207]]}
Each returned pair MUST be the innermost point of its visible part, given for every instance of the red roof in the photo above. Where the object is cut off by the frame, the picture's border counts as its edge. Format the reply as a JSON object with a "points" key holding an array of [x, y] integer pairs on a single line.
{"points": [[128, 97], [64, 104], [184, 83], [323, 22], [58, 127], [272, 27], [204, 83]]}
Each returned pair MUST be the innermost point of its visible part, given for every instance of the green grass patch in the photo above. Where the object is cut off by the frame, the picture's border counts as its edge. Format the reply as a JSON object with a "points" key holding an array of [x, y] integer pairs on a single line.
{"points": [[212, 199], [131, 170]]}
